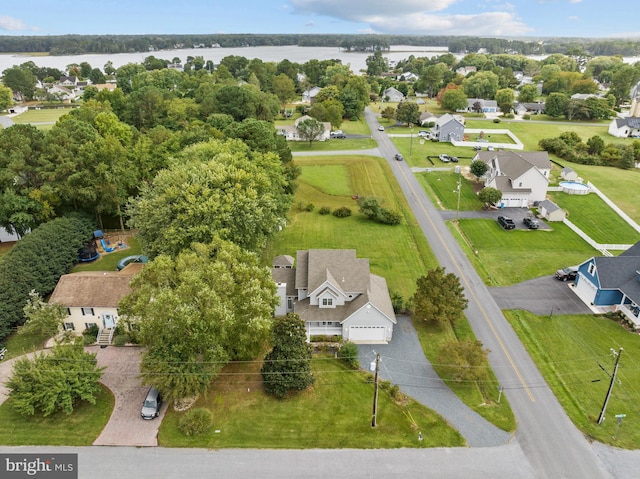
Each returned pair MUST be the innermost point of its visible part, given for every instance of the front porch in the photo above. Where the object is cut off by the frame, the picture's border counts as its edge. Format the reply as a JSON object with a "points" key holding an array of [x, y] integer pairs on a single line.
{"points": [[631, 312]]}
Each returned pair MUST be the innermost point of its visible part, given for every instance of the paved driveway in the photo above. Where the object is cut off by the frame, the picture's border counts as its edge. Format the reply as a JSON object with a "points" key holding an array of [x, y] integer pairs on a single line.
{"points": [[544, 295], [125, 426], [516, 214], [403, 362]]}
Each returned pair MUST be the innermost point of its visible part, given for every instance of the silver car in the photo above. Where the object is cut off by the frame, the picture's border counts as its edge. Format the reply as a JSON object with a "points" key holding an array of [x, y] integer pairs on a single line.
{"points": [[151, 404]]}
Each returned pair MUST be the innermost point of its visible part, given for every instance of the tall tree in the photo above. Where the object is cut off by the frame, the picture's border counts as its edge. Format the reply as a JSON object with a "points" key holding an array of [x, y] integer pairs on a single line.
{"points": [[42, 319], [439, 297], [310, 130], [464, 361], [287, 367], [505, 98], [481, 85], [210, 304], [489, 196], [527, 94], [284, 88], [22, 82], [408, 112]]}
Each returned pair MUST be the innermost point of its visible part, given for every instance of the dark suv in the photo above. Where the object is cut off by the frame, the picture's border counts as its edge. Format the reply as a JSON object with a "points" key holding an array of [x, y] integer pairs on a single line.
{"points": [[567, 274], [506, 222], [531, 223]]}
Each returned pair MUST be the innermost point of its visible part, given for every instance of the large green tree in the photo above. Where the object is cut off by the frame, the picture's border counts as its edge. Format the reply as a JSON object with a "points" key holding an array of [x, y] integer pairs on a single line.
{"points": [[22, 82], [215, 188], [210, 304], [42, 319], [284, 88], [505, 98], [439, 297], [310, 130], [408, 112], [464, 361], [481, 85], [453, 99], [53, 382], [489, 196], [287, 367]]}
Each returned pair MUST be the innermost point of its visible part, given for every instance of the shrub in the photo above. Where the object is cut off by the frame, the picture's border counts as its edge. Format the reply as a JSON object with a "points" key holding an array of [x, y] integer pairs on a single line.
{"points": [[325, 210], [342, 212], [496, 120], [120, 339], [195, 421], [388, 217], [526, 116], [348, 352], [310, 207], [90, 334], [324, 338]]}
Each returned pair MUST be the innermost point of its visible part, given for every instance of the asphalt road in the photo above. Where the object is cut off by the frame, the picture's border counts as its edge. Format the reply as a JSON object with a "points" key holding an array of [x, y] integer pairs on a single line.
{"points": [[551, 443]]}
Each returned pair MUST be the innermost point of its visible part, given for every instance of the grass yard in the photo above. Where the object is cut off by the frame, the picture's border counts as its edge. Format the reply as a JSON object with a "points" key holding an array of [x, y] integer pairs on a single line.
{"points": [[41, 116], [593, 216], [109, 261], [442, 188], [334, 413], [333, 144], [481, 397], [509, 257], [19, 344], [569, 351], [80, 428], [398, 253], [421, 148]]}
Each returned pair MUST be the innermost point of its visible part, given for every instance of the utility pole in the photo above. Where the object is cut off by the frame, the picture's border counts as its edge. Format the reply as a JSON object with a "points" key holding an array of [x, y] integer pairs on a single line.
{"points": [[375, 391], [613, 380]]}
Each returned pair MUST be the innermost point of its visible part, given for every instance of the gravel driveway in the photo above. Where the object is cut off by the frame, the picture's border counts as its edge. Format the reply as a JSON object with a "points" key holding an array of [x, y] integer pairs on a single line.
{"points": [[125, 426]]}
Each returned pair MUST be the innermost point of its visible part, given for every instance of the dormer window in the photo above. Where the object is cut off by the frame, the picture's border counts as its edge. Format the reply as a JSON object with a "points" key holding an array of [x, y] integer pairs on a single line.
{"points": [[327, 301]]}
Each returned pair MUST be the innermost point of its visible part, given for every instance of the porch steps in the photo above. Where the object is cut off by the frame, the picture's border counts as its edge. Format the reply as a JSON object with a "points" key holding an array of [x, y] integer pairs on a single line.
{"points": [[105, 335]]}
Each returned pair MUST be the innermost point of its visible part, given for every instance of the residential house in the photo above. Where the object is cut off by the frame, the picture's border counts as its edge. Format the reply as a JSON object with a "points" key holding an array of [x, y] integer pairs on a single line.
{"points": [[464, 71], [536, 108], [448, 127], [92, 297], [627, 127], [309, 96], [522, 177], [290, 132], [335, 294], [548, 210], [392, 95], [427, 117], [64, 93], [408, 76], [485, 106], [612, 283], [68, 81]]}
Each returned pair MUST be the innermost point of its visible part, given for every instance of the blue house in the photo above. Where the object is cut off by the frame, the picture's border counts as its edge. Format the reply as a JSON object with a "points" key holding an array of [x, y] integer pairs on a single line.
{"points": [[612, 283]]}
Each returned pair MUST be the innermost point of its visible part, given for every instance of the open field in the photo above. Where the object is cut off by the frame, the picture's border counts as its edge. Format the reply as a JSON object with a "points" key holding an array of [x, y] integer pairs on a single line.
{"points": [[80, 428], [573, 354], [41, 116], [334, 144], [398, 253], [334, 413], [593, 216], [509, 257], [442, 188]]}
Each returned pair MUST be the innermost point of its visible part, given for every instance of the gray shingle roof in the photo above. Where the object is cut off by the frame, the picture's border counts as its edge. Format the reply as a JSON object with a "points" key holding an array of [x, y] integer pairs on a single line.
{"points": [[620, 272]]}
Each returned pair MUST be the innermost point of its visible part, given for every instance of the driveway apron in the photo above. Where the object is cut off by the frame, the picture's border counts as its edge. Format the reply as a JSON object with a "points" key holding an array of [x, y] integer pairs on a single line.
{"points": [[403, 362]]}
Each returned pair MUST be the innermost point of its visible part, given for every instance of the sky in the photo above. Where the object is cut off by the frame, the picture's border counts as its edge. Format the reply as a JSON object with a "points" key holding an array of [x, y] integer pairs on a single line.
{"points": [[489, 18]]}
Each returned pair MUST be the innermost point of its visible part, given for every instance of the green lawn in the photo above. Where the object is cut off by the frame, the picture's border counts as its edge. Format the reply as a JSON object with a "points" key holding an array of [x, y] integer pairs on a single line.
{"points": [[19, 344], [80, 428], [508, 257], [398, 253], [109, 261], [41, 116], [442, 188], [481, 397], [334, 413], [333, 144], [569, 351], [593, 216]]}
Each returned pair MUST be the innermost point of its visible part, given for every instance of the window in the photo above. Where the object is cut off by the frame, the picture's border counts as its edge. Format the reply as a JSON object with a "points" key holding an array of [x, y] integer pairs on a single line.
{"points": [[327, 301], [87, 311], [68, 311], [69, 327], [592, 268], [90, 325], [289, 304]]}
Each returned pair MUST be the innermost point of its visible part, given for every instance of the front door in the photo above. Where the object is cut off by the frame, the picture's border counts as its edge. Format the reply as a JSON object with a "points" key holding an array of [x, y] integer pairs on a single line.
{"points": [[108, 321]]}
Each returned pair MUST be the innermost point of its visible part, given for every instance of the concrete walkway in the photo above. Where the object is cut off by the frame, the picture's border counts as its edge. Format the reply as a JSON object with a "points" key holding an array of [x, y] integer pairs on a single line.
{"points": [[403, 362]]}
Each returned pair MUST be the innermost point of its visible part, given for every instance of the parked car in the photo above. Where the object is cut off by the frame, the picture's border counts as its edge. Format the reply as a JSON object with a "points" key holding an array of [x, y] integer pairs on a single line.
{"points": [[454, 159], [567, 274], [151, 404], [531, 223], [444, 158], [424, 133], [399, 157], [477, 148], [337, 134], [506, 222], [381, 128]]}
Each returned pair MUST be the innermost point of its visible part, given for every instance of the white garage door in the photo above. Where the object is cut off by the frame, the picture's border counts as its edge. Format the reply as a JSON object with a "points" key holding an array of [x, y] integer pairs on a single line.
{"points": [[367, 333], [585, 289]]}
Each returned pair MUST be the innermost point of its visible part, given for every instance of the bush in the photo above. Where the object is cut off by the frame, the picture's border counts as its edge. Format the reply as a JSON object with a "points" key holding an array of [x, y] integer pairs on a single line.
{"points": [[388, 217], [325, 210], [508, 115], [526, 117], [310, 207], [496, 120], [120, 339], [195, 421], [348, 352], [342, 212], [324, 338]]}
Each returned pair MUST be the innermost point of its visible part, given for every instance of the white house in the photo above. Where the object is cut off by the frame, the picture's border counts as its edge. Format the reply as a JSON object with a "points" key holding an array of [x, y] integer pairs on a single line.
{"points": [[290, 132], [522, 177], [92, 298], [335, 294], [393, 95], [309, 96], [485, 106]]}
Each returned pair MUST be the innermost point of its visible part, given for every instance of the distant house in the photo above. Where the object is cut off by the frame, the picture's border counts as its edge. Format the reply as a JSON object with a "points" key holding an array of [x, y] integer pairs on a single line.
{"points": [[92, 298], [548, 210], [485, 106], [568, 174], [464, 71], [408, 76], [522, 177], [612, 283], [66, 94], [537, 108], [290, 132], [309, 96], [427, 117], [68, 81], [392, 95], [448, 127], [335, 294], [628, 127]]}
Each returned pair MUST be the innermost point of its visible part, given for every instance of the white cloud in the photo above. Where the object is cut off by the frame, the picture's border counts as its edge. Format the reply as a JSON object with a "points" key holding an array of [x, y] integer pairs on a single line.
{"points": [[573, 18], [357, 10], [13, 24]]}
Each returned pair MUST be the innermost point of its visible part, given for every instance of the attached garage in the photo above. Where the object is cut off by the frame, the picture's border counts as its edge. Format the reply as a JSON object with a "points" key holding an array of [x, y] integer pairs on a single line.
{"points": [[585, 289], [367, 333]]}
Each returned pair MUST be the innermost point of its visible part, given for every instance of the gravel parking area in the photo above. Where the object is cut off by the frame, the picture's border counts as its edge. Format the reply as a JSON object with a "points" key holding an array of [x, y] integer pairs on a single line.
{"points": [[125, 426]]}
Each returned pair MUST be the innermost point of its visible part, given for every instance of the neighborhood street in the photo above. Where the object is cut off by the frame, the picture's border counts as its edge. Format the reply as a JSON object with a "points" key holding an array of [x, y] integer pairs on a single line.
{"points": [[551, 443]]}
